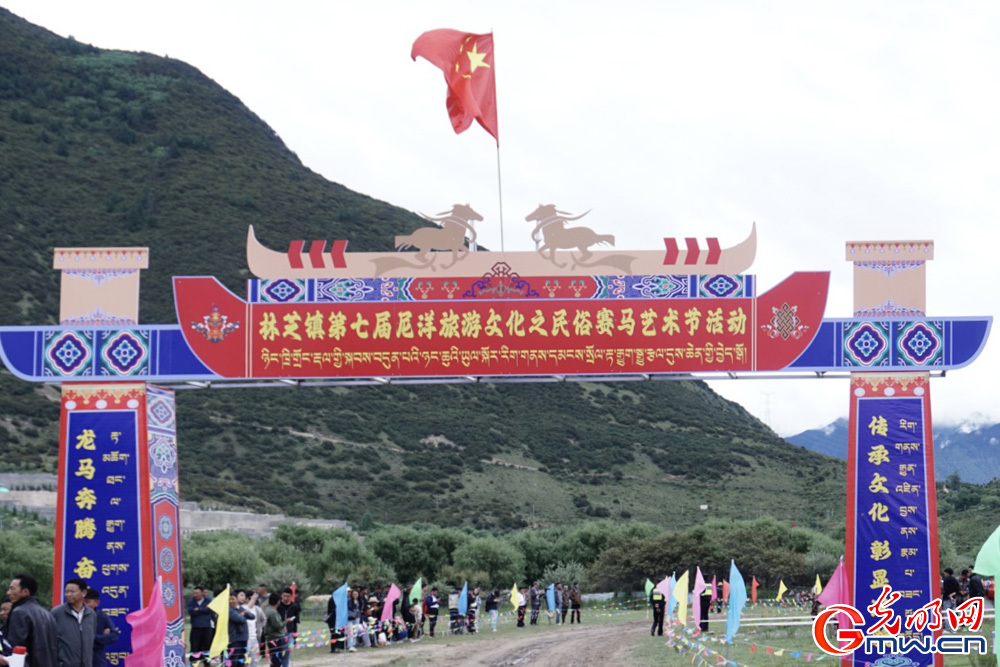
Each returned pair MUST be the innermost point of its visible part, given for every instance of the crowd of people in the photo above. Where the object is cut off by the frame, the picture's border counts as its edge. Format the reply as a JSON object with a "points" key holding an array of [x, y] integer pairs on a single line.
{"points": [[266, 635], [72, 634], [262, 626], [415, 616]]}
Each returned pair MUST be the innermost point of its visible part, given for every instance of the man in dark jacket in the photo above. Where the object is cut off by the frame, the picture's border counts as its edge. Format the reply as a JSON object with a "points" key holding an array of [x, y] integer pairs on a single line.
{"points": [[535, 598], [76, 624], [105, 633], [29, 625], [949, 592], [433, 605], [202, 622], [239, 631], [976, 589], [559, 601], [336, 637], [274, 631], [659, 602], [575, 601], [5, 647], [289, 610]]}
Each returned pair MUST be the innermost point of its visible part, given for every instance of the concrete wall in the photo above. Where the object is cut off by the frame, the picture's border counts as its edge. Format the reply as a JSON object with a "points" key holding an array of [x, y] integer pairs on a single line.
{"points": [[193, 518]]}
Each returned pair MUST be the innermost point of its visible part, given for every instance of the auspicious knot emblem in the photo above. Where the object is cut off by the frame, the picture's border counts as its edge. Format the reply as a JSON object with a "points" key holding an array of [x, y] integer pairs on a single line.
{"points": [[785, 323], [215, 326]]}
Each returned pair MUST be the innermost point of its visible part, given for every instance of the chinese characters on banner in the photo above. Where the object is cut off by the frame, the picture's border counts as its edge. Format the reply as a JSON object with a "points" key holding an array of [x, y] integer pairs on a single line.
{"points": [[102, 522], [552, 336], [891, 501]]}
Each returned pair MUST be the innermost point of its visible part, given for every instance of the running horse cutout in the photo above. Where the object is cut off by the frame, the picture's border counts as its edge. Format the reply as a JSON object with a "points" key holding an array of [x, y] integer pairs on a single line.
{"points": [[448, 235], [556, 236]]}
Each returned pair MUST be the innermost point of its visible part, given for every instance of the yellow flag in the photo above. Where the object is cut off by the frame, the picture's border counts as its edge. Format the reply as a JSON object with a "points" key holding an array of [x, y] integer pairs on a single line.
{"points": [[220, 640], [680, 594], [515, 597], [817, 587], [781, 589]]}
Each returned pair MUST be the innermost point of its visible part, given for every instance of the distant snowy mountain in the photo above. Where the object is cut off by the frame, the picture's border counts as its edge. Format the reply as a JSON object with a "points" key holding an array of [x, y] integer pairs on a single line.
{"points": [[972, 449]]}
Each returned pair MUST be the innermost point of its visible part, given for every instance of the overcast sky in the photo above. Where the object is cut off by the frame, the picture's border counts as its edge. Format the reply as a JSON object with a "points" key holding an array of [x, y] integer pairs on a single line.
{"points": [[822, 122]]}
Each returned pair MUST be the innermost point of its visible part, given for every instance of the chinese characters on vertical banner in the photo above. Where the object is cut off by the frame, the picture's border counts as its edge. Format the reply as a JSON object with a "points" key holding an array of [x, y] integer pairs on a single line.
{"points": [[893, 535], [101, 527]]}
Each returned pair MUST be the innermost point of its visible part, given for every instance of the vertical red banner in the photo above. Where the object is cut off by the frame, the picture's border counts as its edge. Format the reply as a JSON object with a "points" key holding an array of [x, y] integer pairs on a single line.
{"points": [[161, 422], [891, 501]]}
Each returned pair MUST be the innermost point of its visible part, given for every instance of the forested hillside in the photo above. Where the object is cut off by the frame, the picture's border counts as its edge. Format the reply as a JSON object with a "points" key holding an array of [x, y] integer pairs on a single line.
{"points": [[110, 148]]}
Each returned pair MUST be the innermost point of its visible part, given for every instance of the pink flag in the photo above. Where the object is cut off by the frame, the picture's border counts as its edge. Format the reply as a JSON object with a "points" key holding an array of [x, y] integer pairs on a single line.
{"points": [[390, 597], [699, 588], [837, 592], [149, 631], [715, 595]]}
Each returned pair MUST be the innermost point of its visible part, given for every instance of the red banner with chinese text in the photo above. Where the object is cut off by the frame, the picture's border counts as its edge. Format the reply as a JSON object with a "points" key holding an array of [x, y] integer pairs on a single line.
{"points": [[541, 336]]}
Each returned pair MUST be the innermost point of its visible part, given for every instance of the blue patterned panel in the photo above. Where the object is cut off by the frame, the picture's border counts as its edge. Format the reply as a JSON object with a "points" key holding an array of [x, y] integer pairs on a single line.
{"points": [[659, 287], [721, 286], [68, 353], [282, 290], [124, 353], [346, 289], [920, 343], [867, 344]]}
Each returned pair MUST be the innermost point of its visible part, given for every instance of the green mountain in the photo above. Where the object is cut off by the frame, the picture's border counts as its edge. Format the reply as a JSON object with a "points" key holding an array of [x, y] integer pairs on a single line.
{"points": [[111, 148]]}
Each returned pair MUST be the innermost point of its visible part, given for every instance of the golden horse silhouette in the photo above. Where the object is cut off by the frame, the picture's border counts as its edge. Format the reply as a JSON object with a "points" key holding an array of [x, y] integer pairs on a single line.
{"points": [[450, 234], [551, 232]]}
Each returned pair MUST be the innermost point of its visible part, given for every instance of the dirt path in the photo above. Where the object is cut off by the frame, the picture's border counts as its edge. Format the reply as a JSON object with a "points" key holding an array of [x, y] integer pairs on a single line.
{"points": [[605, 644]]}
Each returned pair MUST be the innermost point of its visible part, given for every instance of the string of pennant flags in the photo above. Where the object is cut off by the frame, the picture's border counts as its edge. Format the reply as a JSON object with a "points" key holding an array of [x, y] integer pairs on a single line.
{"points": [[612, 608], [692, 640]]}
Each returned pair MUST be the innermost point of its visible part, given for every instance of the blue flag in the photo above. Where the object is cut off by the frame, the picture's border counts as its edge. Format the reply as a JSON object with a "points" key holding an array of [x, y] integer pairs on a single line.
{"points": [[550, 596], [737, 600], [340, 599], [671, 602], [463, 600]]}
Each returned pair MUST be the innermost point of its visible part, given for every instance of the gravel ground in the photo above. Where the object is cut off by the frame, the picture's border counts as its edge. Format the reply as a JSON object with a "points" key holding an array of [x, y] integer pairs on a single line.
{"points": [[577, 645]]}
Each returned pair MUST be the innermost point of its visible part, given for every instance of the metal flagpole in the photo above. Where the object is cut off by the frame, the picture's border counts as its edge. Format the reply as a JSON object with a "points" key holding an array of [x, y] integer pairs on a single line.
{"points": [[500, 196]]}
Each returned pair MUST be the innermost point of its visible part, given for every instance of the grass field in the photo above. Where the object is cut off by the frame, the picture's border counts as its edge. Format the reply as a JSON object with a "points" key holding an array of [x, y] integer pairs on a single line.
{"points": [[768, 637]]}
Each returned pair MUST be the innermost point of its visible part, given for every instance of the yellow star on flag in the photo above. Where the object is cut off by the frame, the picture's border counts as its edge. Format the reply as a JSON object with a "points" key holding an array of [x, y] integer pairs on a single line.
{"points": [[476, 58]]}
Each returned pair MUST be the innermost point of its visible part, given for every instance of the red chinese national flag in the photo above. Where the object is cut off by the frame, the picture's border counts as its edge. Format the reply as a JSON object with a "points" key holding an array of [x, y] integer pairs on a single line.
{"points": [[467, 63]]}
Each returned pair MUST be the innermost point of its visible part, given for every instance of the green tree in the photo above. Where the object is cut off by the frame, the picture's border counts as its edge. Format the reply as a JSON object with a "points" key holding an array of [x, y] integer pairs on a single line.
{"points": [[29, 549], [567, 573], [413, 552], [502, 562], [347, 557], [216, 559]]}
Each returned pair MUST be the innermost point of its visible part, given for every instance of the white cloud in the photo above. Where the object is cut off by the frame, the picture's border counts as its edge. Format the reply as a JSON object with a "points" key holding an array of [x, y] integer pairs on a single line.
{"points": [[821, 122]]}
